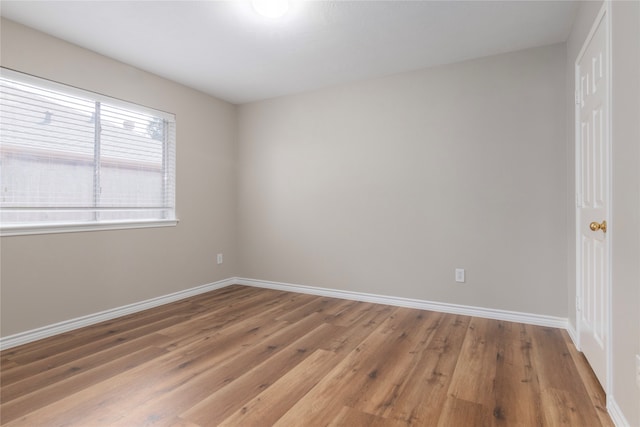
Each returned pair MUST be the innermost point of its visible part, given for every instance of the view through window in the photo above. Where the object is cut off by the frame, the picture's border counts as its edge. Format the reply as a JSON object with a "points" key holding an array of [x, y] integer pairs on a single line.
{"points": [[70, 157]]}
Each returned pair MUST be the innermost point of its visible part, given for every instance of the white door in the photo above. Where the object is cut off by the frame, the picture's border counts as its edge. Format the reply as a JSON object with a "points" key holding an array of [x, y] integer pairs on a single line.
{"points": [[592, 185]]}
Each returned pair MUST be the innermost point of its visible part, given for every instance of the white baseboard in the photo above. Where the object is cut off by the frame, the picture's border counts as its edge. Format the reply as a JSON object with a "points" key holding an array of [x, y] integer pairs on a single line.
{"points": [[92, 319], [488, 313], [80, 322], [573, 334], [616, 414]]}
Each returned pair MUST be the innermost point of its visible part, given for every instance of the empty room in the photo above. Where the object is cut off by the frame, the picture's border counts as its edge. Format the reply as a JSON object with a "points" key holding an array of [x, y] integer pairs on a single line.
{"points": [[320, 213]]}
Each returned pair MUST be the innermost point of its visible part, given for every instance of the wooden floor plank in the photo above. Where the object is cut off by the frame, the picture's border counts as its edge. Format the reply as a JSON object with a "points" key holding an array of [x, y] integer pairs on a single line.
{"points": [[422, 398], [387, 376], [250, 356], [42, 378], [476, 360], [357, 328], [269, 405], [596, 393], [460, 412], [352, 417], [103, 332], [223, 389], [40, 398], [351, 381], [58, 355], [316, 305], [128, 389], [563, 392], [515, 396]]}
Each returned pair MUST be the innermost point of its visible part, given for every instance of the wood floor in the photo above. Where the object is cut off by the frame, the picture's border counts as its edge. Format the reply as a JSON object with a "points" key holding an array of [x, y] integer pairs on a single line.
{"points": [[242, 356]]}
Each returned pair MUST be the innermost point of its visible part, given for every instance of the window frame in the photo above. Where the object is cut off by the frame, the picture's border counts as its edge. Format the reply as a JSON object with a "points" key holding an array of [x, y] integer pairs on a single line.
{"points": [[96, 224]]}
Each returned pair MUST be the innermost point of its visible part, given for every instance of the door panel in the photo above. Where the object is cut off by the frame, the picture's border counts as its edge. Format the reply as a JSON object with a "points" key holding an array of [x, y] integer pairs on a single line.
{"points": [[593, 145]]}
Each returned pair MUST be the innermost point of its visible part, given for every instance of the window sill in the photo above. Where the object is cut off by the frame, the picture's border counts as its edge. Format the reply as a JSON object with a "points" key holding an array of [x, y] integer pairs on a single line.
{"points": [[22, 230]]}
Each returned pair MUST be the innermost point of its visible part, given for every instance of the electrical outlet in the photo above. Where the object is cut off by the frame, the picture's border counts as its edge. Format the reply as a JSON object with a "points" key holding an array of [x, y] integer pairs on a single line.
{"points": [[219, 258], [460, 275], [638, 370]]}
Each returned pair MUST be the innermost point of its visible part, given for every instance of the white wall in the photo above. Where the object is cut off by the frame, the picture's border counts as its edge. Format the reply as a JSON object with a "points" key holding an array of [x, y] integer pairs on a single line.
{"points": [[386, 186], [50, 278], [625, 220]]}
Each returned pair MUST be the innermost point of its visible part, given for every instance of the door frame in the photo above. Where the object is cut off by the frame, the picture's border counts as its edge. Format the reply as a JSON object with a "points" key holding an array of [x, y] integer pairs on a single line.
{"points": [[604, 15]]}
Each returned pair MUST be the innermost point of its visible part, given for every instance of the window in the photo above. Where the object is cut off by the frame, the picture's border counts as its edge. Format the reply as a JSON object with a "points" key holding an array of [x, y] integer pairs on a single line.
{"points": [[75, 160]]}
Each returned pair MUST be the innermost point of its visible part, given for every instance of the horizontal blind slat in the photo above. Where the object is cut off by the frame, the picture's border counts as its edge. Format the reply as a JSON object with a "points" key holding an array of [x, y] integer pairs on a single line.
{"points": [[47, 141]]}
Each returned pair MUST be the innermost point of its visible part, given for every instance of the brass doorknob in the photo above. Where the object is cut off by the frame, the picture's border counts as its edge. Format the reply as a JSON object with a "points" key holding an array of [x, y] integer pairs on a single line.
{"points": [[594, 226]]}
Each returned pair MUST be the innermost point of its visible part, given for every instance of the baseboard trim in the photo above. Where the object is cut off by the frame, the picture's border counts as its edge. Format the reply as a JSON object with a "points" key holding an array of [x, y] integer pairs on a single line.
{"points": [[92, 319], [80, 322], [573, 334], [511, 316], [616, 414]]}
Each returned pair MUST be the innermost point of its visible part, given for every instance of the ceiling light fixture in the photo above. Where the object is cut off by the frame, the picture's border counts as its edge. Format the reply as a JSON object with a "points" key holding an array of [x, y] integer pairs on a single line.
{"points": [[271, 8]]}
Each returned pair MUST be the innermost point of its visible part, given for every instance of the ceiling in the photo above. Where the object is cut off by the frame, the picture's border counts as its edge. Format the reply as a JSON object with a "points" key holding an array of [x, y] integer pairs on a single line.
{"points": [[225, 49]]}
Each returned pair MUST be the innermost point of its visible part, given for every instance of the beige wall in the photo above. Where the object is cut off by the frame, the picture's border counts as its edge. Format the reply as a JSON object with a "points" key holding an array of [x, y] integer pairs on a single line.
{"points": [[51, 278], [625, 219], [386, 186]]}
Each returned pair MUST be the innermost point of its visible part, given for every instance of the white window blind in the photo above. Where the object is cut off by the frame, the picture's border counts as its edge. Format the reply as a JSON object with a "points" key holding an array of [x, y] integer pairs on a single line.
{"points": [[73, 159]]}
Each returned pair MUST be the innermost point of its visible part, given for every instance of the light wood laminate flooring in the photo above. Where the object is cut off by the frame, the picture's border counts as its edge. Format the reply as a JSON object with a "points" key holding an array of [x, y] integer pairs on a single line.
{"points": [[243, 356]]}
